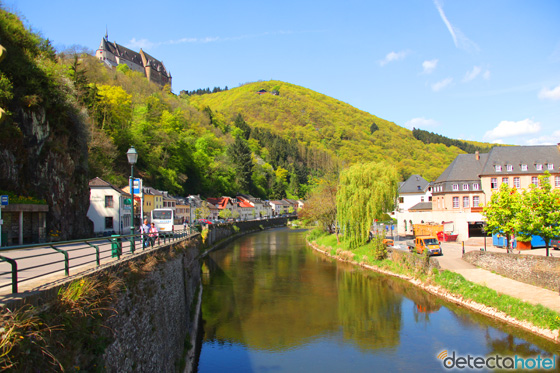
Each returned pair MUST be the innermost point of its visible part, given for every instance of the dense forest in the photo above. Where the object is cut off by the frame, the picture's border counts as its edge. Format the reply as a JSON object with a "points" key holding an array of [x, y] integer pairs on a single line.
{"points": [[433, 138], [321, 123], [271, 139]]}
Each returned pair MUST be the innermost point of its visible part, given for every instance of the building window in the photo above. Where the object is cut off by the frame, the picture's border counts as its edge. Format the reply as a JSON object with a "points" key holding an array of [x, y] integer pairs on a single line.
{"points": [[465, 202], [475, 201], [505, 180], [517, 182], [523, 167], [109, 222], [475, 186], [498, 168], [455, 187], [509, 168], [494, 183], [465, 186], [538, 166], [455, 202], [535, 180], [550, 167], [109, 201], [557, 181]]}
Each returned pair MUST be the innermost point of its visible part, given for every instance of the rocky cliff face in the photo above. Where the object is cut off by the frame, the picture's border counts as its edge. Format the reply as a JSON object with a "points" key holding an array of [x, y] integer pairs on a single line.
{"points": [[50, 163], [43, 139]]}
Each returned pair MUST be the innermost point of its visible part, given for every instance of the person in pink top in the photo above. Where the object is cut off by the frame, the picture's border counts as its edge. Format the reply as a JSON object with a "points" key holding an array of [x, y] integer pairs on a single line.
{"points": [[153, 234]]}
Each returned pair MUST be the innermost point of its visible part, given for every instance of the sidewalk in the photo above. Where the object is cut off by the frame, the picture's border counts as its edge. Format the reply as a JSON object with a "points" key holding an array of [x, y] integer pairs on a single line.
{"points": [[452, 260]]}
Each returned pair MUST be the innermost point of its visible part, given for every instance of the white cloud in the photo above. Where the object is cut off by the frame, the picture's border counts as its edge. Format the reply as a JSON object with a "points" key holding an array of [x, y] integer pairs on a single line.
{"points": [[147, 44], [421, 123], [552, 139], [142, 43], [429, 66], [470, 75], [486, 75], [509, 129], [436, 87], [459, 39], [550, 94], [393, 56]]}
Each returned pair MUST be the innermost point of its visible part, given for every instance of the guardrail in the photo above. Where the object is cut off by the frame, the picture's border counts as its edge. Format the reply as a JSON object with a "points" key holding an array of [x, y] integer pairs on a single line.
{"points": [[22, 264]]}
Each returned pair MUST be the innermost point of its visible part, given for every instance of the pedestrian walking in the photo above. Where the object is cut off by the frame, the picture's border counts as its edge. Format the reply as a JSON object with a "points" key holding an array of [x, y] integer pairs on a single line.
{"points": [[145, 229]]}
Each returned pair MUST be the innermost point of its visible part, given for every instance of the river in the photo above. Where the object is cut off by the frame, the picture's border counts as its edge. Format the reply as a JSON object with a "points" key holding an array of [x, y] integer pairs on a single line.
{"points": [[271, 304]]}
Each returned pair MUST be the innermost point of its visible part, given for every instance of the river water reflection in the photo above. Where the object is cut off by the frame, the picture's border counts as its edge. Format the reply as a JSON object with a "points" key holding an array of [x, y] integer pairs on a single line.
{"points": [[271, 304]]}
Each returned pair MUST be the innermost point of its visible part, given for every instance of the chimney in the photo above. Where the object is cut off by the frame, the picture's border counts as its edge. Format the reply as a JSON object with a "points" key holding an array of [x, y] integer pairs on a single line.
{"points": [[477, 154]]}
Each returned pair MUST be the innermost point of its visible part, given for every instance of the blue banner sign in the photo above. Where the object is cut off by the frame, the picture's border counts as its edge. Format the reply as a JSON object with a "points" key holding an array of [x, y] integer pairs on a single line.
{"points": [[4, 200]]}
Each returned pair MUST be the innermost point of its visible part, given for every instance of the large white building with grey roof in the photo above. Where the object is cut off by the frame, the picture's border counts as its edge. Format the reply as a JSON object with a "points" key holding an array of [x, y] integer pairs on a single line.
{"points": [[467, 183]]}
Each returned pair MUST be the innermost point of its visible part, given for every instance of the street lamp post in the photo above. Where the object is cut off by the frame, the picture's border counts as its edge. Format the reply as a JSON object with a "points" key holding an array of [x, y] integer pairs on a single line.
{"points": [[132, 156]]}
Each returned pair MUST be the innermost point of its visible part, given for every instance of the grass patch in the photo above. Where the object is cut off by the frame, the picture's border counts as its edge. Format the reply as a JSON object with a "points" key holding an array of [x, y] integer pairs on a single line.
{"points": [[536, 314], [65, 334]]}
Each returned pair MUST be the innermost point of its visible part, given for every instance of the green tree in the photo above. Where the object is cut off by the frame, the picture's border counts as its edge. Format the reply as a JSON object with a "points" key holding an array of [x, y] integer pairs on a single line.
{"points": [[320, 205], [203, 212], [225, 214], [240, 154], [243, 126], [501, 212], [540, 211], [365, 192]]}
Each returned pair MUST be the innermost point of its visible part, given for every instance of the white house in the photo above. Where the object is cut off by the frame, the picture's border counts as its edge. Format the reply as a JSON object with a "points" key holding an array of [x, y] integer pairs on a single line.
{"points": [[107, 208], [413, 191]]}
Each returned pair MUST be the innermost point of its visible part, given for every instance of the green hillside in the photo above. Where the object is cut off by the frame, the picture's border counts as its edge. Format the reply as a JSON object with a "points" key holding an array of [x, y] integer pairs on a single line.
{"points": [[271, 144], [322, 122]]}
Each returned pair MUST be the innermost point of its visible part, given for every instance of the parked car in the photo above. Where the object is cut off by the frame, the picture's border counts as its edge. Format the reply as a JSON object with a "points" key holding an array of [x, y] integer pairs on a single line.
{"points": [[555, 243], [204, 221]]}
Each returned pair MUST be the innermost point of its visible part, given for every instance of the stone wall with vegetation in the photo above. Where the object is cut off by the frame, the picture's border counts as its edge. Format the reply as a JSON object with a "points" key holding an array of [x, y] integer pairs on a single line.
{"points": [[219, 232], [413, 260], [531, 269], [154, 314]]}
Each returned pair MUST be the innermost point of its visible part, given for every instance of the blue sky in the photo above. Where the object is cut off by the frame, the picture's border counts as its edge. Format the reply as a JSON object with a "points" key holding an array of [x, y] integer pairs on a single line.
{"points": [[478, 70]]}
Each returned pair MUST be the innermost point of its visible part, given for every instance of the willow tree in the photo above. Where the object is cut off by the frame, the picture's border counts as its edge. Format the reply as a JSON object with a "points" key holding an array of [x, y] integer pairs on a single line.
{"points": [[365, 192]]}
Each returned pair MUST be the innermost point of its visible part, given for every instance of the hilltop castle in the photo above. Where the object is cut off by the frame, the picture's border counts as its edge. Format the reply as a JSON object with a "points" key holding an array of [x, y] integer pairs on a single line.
{"points": [[114, 54]]}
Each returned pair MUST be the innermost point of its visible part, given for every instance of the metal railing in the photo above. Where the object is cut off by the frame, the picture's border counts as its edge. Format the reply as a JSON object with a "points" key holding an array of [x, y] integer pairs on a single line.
{"points": [[25, 263]]}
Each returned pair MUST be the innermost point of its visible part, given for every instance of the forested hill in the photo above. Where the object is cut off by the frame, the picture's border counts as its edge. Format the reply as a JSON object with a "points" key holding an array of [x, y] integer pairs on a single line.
{"points": [[322, 122], [270, 139]]}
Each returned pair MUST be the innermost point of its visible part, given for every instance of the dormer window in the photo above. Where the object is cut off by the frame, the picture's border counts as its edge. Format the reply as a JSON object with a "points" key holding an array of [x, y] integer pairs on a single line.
{"points": [[465, 186], [523, 167], [538, 166], [455, 187], [550, 167], [475, 186], [509, 168], [498, 168]]}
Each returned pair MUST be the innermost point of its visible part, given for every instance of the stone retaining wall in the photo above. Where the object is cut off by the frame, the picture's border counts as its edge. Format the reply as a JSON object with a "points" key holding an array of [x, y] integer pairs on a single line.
{"points": [[531, 269], [413, 260], [156, 316]]}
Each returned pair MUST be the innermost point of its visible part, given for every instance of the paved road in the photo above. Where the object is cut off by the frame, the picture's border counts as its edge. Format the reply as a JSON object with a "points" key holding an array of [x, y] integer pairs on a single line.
{"points": [[40, 265]]}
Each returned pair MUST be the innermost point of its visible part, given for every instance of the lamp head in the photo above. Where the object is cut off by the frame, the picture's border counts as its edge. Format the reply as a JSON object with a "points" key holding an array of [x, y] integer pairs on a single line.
{"points": [[132, 155]]}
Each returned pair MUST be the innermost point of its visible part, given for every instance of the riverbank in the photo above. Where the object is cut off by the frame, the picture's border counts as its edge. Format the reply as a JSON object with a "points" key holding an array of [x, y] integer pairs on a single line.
{"points": [[454, 288]]}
